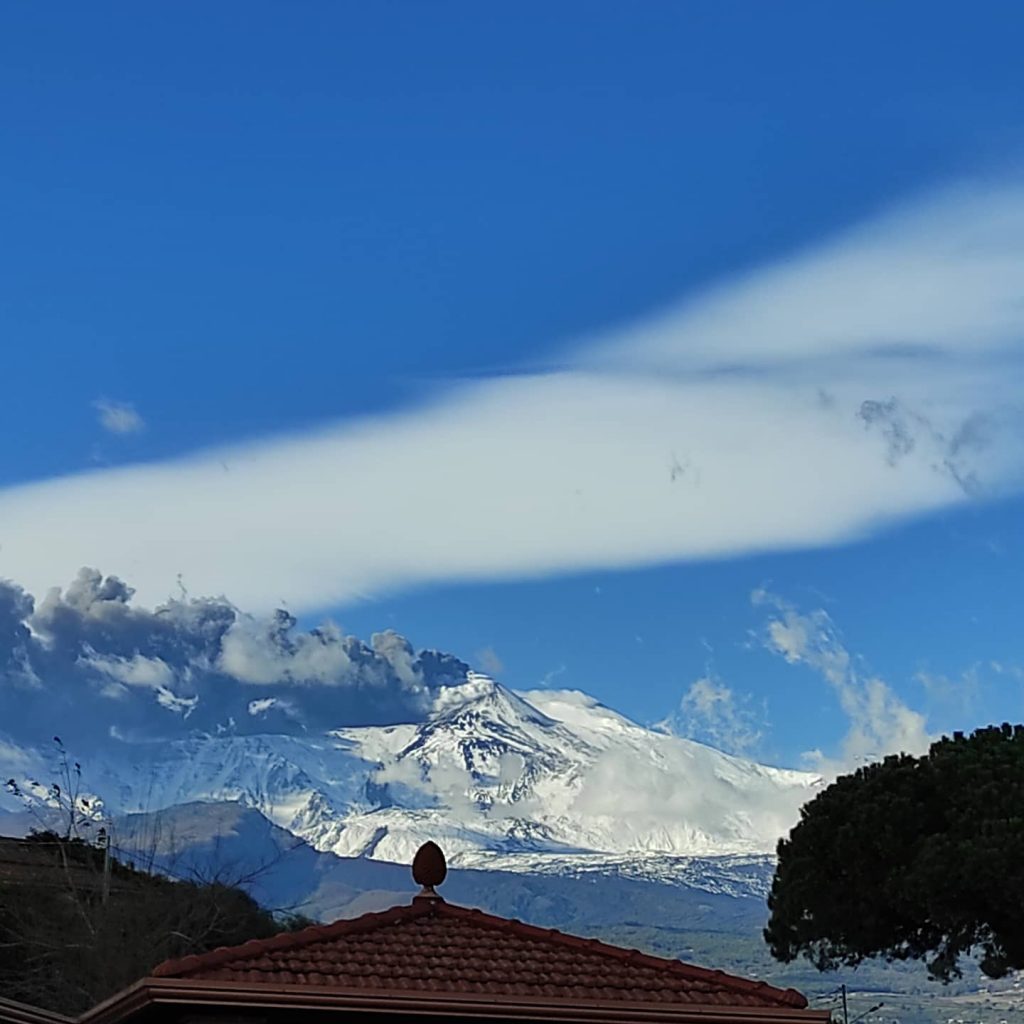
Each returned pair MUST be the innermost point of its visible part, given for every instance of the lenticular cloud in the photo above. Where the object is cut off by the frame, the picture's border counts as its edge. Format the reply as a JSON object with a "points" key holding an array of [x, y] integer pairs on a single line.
{"points": [[872, 378]]}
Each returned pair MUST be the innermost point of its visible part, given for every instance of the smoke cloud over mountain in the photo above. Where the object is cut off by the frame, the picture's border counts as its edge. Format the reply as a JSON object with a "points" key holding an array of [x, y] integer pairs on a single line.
{"points": [[90, 660]]}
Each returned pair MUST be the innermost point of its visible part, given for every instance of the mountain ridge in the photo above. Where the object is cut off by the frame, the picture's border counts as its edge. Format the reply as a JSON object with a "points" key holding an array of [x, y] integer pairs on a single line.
{"points": [[542, 781]]}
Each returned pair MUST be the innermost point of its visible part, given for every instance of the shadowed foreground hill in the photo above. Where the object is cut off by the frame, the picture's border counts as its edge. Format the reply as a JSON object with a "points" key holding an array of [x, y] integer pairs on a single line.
{"points": [[73, 933]]}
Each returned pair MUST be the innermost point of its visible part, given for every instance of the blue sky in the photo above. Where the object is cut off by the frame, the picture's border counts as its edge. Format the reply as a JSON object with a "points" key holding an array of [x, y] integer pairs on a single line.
{"points": [[454, 257]]}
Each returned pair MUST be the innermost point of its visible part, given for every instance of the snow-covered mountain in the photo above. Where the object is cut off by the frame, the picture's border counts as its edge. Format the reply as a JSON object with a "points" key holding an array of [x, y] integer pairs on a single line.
{"points": [[540, 782], [362, 750]]}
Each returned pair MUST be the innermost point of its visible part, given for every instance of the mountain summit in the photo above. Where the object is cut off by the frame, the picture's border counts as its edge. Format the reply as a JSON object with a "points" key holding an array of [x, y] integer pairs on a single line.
{"points": [[544, 780]]}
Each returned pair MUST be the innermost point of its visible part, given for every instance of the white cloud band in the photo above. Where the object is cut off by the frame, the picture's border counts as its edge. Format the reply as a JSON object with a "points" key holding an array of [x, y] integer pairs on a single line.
{"points": [[733, 425]]}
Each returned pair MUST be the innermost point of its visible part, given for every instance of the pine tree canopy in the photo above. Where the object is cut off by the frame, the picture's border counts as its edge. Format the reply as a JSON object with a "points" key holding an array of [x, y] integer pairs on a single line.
{"points": [[910, 858]]}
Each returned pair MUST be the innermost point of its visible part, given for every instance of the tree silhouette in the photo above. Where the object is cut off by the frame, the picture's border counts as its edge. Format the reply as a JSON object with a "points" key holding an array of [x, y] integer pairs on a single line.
{"points": [[910, 858]]}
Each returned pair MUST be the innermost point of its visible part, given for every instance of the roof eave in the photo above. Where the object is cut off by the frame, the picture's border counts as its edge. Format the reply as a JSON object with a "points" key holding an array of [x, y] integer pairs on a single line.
{"points": [[166, 992], [21, 1013]]}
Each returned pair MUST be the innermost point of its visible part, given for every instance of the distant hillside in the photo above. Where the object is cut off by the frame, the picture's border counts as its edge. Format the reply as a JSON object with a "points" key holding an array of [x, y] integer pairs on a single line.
{"points": [[76, 927], [678, 919]]}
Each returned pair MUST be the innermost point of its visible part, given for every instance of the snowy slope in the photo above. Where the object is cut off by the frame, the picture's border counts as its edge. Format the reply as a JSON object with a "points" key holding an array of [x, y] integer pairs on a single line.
{"points": [[545, 782]]}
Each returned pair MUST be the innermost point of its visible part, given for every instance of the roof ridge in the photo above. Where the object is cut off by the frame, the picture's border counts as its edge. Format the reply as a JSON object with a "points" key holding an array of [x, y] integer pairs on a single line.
{"points": [[786, 996]]}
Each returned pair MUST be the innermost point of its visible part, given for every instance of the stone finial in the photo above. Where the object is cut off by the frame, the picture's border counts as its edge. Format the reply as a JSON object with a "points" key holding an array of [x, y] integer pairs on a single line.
{"points": [[429, 870]]}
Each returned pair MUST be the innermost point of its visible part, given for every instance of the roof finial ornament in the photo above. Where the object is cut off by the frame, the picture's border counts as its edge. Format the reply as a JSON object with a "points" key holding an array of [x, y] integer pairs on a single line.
{"points": [[429, 870]]}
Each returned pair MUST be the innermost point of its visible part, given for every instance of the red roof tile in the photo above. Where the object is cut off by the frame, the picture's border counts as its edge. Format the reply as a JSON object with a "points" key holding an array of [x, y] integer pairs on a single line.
{"points": [[436, 947]]}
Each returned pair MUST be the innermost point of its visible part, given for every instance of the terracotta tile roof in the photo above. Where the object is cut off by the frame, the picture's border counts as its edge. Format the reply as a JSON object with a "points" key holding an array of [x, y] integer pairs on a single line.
{"points": [[435, 947]]}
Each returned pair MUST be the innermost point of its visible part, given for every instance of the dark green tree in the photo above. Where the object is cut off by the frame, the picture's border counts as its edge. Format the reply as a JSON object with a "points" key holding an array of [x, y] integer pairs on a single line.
{"points": [[910, 858]]}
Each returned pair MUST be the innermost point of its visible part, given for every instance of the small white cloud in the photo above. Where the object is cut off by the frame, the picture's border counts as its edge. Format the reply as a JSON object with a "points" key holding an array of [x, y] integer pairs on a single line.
{"points": [[118, 417], [959, 693], [712, 713], [135, 671], [489, 662], [183, 706], [251, 652], [445, 783], [549, 677], [880, 723], [263, 705], [1002, 668], [15, 759], [725, 801]]}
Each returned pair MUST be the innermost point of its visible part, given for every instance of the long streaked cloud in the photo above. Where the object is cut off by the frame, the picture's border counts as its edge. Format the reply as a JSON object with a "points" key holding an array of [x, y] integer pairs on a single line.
{"points": [[849, 386]]}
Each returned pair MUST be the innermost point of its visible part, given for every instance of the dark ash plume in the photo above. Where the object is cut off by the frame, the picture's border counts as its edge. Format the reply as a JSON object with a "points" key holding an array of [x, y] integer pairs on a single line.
{"points": [[89, 663]]}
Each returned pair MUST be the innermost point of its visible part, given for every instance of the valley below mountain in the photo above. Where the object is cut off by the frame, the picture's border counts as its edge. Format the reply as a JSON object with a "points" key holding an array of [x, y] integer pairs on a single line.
{"points": [[550, 807]]}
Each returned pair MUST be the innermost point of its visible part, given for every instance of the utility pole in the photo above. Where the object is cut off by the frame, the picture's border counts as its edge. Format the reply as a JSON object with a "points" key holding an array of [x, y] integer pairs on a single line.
{"points": [[106, 866], [846, 1012]]}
